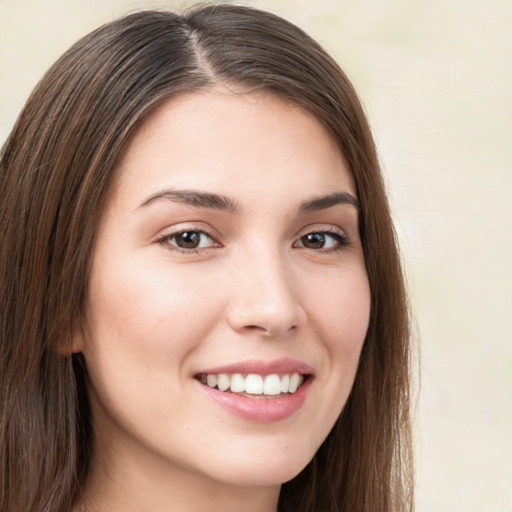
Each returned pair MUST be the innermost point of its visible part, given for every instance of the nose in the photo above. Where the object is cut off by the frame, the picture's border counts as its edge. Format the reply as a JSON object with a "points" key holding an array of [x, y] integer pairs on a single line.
{"points": [[265, 300]]}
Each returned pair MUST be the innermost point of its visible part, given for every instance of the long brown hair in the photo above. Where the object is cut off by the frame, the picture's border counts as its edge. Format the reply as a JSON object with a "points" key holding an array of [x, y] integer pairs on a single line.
{"points": [[55, 172]]}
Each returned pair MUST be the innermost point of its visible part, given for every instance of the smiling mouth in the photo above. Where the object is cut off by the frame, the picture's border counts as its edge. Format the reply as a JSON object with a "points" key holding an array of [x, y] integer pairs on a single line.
{"points": [[253, 385]]}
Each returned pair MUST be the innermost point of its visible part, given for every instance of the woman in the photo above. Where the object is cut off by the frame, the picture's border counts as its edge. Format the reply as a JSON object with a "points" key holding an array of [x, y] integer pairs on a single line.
{"points": [[202, 306]]}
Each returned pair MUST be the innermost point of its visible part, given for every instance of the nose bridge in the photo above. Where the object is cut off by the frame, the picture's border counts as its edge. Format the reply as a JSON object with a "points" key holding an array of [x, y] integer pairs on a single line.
{"points": [[265, 298]]}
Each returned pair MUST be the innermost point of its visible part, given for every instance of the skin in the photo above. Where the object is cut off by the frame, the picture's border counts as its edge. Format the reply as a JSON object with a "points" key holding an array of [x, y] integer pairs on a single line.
{"points": [[157, 315]]}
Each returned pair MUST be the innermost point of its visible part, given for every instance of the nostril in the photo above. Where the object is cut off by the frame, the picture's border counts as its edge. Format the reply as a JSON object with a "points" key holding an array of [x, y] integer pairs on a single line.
{"points": [[257, 328], [267, 331]]}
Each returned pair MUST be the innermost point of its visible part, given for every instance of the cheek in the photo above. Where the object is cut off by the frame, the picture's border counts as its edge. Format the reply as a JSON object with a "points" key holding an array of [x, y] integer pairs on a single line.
{"points": [[145, 318], [140, 332], [132, 298], [340, 311]]}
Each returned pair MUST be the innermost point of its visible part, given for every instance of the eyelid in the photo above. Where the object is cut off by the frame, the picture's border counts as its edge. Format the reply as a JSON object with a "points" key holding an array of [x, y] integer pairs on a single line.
{"points": [[337, 233], [173, 231], [322, 228]]}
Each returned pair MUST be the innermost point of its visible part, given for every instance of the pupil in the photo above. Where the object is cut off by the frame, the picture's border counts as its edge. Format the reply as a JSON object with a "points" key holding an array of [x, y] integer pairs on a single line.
{"points": [[314, 240], [188, 240]]}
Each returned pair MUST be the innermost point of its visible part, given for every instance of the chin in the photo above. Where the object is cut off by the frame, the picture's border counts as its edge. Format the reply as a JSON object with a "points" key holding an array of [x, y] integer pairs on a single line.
{"points": [[265, 473]]}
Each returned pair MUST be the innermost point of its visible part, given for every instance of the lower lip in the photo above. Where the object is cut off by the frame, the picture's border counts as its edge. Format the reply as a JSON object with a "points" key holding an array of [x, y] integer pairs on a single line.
{"points": [[260, 410]]}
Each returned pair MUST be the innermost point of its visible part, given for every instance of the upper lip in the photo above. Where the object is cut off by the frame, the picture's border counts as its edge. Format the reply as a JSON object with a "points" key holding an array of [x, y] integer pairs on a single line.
{"points": [[261, 367]]}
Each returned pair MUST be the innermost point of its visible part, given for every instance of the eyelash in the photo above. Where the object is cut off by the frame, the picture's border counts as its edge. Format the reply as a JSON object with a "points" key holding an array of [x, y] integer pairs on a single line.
{"points": [[165, 240], [340, 239]]}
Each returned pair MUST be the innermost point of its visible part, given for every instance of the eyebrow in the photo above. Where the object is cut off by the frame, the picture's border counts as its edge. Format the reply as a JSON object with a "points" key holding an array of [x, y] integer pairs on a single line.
{"points": [[195, 198], [227, 204], [324, 202]]}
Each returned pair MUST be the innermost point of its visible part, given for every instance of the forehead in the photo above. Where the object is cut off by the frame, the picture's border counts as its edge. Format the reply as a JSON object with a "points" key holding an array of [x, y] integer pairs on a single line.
{"points": [[239, 142]]}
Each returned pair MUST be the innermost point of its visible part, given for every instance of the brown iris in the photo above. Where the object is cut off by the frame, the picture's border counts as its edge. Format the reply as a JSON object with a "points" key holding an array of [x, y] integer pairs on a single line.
{"points": [[313, 240], [188, 239]]}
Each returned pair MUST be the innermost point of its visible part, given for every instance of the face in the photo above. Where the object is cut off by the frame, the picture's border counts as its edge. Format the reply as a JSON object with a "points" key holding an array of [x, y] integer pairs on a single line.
{"points": [[228, 298]]}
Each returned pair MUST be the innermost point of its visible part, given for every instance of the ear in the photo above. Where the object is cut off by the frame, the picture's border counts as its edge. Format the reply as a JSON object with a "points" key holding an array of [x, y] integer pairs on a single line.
{"points": [[77, 341], [72, 343]]}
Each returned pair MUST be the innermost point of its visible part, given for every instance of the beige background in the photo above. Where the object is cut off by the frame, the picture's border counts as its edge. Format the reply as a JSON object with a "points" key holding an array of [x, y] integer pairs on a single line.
{"points": [[436, 78]]}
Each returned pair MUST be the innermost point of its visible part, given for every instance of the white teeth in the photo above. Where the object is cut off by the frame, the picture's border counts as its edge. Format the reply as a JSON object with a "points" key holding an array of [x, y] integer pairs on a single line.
{"points": [[237, 383], [285, 383], [295, 382], [254, 384], [272, 385], [223, 382], [211, 380]]}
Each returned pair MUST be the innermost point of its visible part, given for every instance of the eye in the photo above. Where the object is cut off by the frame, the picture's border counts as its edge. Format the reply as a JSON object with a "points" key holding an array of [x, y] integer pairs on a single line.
{"points": [[189, 240], [322, 241]]}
